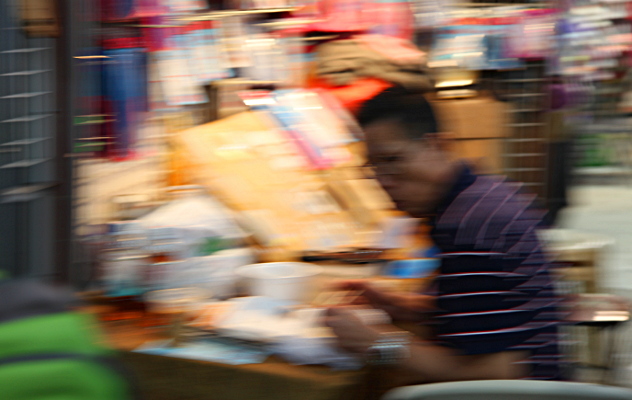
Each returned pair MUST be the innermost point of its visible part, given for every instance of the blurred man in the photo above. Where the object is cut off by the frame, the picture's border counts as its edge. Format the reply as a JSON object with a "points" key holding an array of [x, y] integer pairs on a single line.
{"points": [[50, 349], [492, 306]]}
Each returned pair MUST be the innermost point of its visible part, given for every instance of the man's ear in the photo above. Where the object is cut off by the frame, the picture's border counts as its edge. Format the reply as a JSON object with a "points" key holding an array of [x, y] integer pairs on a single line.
{"points": [[442, 140], [446, 136]]}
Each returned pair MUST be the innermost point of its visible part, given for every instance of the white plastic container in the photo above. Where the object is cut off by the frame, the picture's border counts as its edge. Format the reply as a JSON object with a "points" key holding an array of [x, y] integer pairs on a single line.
{"points": [[217, 271], [291, 281]]}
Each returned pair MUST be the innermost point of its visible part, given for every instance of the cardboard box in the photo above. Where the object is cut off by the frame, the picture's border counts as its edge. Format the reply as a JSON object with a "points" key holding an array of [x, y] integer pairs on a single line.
{"points": [[484, 154], [39, 17], [253, 169], [475, 118]]}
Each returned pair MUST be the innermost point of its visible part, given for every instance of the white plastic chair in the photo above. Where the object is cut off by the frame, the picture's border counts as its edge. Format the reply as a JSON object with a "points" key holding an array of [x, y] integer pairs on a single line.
{"points": [[509, 390]]}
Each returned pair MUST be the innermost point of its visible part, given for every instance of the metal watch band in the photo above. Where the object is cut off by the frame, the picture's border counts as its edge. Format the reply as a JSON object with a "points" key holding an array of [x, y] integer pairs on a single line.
{"points": [[389, 349]]}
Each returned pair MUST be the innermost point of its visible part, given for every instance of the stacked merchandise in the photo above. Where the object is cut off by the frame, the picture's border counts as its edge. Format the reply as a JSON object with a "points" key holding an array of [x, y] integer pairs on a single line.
{"points": [[594, 61], [290, 168], [170, 247], [359, 67], [507, 52], [177, 53], [594, 47], [160, 56], [284, 178]]}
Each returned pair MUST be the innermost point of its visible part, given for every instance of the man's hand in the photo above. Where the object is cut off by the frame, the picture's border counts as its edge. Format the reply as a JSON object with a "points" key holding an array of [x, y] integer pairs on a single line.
{"points": [[353, 335], [401, 307], [428, 362]]}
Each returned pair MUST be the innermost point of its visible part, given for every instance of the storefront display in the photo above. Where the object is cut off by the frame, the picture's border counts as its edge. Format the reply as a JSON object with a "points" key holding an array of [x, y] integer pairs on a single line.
{"points": [[278, 173], [291, 167]]}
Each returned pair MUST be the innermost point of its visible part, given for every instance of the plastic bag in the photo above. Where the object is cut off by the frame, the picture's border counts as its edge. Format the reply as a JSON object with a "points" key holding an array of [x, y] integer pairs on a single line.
{"points": [[197, 218]]}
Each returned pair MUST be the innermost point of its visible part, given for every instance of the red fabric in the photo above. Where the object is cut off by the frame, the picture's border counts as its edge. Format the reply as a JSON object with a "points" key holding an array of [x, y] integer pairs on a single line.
{"points": [[341, 16], [394, 19], [352, 96]]}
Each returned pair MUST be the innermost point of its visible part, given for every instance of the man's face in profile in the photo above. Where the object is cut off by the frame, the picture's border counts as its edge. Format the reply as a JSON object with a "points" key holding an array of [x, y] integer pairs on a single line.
{"points": [[411, 171]]}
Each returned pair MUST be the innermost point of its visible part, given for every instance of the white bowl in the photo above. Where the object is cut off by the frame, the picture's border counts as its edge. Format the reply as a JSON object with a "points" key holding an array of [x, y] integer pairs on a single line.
{"points": [[280, 280]]}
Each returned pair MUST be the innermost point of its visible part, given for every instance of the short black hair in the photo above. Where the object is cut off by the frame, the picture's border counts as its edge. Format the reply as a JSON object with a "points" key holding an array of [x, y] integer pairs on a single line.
{"points": [[411, 109]]}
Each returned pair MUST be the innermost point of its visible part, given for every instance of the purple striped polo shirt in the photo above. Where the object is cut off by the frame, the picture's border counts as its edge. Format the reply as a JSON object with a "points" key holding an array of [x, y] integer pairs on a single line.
{"points": [[494, 290]]}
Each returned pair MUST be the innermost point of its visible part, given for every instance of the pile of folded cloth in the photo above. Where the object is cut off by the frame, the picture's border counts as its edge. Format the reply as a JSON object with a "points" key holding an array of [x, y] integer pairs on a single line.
{"points": [[357, 68]]}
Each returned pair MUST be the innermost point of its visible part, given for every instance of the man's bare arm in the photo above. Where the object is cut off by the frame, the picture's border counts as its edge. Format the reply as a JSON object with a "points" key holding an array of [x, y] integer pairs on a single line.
{"points": [[435, 363]]}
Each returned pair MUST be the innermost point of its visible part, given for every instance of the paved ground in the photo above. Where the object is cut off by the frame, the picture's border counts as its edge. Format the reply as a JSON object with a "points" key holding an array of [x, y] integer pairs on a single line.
{"points": [[607, 210]]}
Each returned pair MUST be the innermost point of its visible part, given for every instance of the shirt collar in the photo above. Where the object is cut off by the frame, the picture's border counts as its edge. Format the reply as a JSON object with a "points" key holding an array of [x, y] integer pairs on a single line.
{"points": [[465, 178]]}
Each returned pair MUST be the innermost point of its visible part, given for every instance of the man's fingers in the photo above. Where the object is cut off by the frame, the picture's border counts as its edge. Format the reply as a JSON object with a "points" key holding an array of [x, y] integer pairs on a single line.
{"points": [[341, 311], [356, 284], [352, 333]]}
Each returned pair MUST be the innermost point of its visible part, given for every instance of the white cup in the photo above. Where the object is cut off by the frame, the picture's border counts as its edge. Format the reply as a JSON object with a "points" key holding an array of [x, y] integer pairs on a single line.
{"points": [[280, 280]]}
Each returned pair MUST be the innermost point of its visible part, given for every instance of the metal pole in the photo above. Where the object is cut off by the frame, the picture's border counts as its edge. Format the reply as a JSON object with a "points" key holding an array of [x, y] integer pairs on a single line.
{"points": [[64, 138]]}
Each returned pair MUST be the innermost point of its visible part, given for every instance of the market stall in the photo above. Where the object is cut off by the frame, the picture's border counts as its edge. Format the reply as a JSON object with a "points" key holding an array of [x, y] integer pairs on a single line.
{"points": [[210, 137]]}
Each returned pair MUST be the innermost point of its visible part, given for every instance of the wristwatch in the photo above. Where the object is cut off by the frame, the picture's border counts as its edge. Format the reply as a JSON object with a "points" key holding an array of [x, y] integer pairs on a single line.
{"points": [[389, 349]]}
